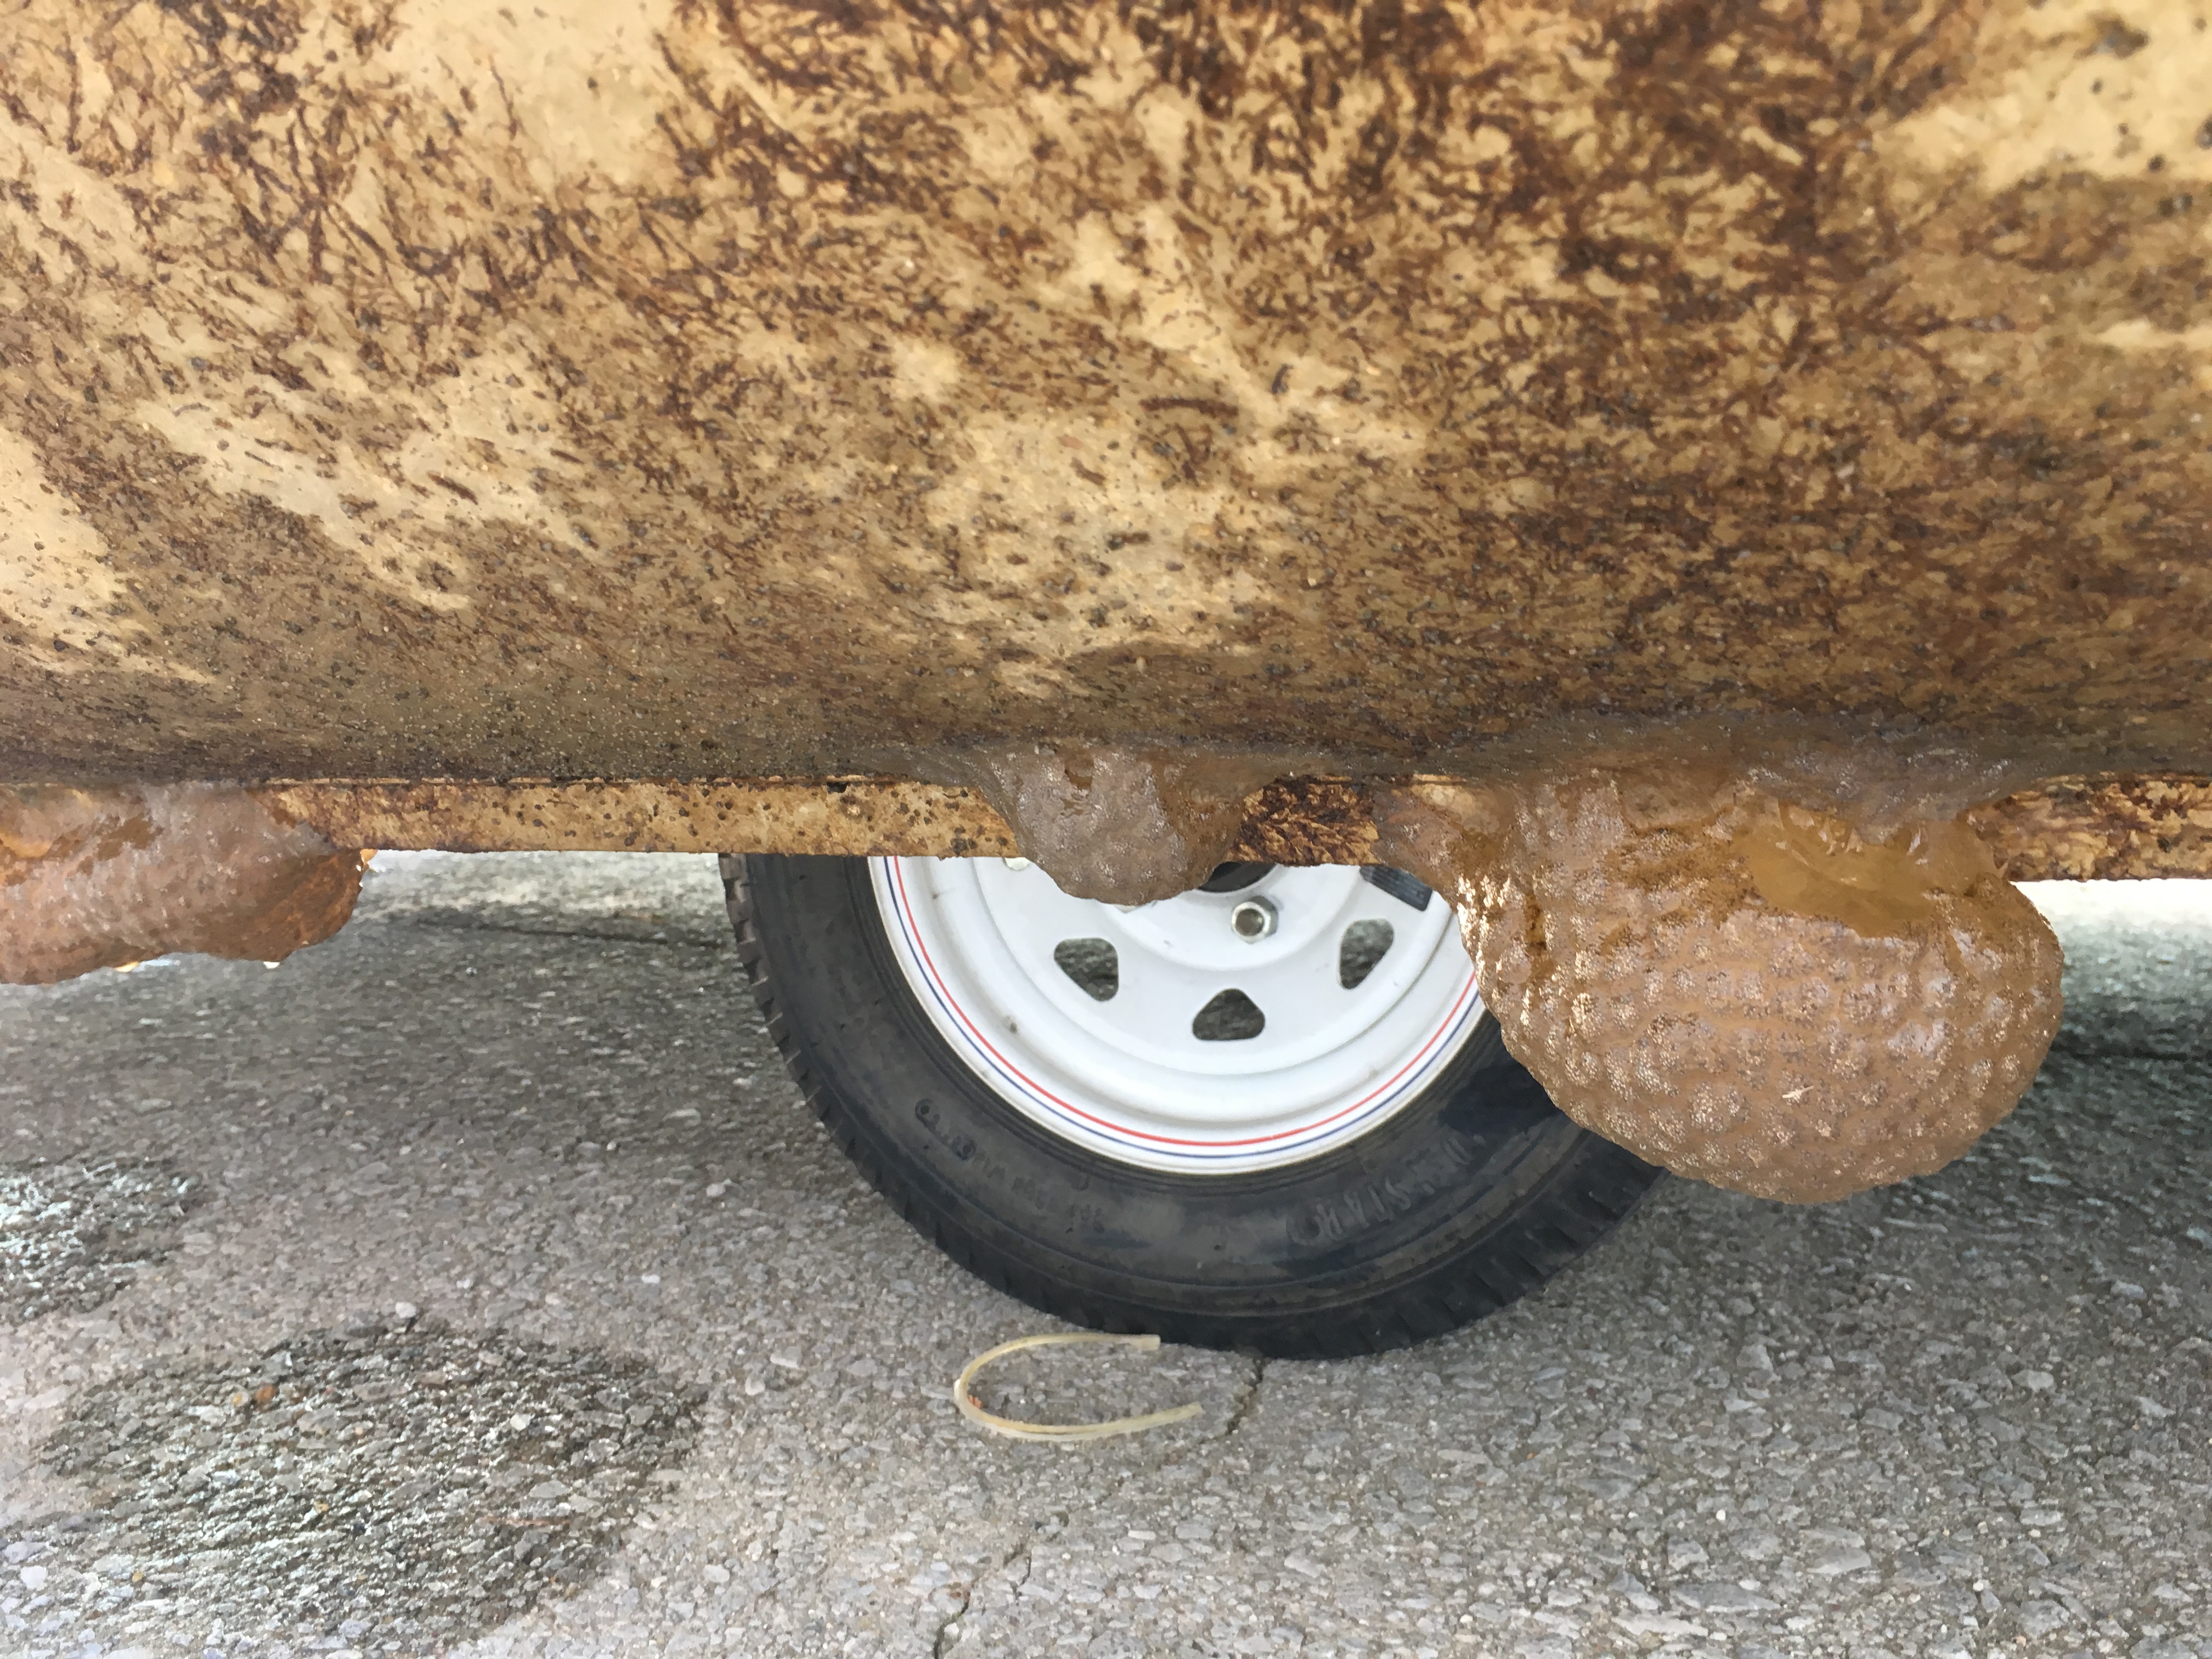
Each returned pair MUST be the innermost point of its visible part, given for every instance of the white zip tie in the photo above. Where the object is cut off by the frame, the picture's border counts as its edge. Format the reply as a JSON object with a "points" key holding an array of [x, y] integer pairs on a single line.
{"points": [[972, 1408]]}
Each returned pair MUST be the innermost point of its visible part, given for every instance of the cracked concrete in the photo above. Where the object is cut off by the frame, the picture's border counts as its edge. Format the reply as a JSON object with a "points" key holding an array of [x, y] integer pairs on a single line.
{"points": [[1011, 1573], [1247, 1399], [1969, 1413]]}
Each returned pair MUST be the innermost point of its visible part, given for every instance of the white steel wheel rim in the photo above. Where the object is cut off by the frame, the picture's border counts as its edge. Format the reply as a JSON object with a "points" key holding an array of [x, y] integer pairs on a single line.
{"points": [[1126, 1077]]}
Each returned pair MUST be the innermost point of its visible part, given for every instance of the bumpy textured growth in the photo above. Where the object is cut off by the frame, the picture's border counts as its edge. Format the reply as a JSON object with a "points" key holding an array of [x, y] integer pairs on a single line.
{"points": [[93, 878], [1125, 825], [1747, 991]]}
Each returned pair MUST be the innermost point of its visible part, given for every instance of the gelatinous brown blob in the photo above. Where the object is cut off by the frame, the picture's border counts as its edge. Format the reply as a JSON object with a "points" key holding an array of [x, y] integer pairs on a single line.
{"points": [[1126, 825], [94, 878], [1742, 989]]}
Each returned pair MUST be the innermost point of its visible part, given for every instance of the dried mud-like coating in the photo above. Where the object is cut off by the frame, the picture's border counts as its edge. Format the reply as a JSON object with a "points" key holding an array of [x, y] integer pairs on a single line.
{"points": [[1125, 825], [2074, 828], [1744, 990], [630, 388], [93, 878], [2103, 829], [847, 817]]}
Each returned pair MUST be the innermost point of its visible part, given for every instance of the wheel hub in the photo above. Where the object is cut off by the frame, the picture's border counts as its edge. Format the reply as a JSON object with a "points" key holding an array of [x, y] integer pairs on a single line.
{"points": [[1264, 1019]]}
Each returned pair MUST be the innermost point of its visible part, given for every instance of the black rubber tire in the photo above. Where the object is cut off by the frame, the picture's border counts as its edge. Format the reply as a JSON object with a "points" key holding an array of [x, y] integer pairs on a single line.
{"points": [[1473, 1194]]}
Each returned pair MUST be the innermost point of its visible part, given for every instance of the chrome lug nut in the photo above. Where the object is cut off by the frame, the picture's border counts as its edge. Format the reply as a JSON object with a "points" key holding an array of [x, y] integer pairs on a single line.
{"points": [[1253, 920]]}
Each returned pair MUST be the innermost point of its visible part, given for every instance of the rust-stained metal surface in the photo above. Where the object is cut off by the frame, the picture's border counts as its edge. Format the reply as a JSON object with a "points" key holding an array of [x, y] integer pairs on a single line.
{"points": [[681, 388], [2103, 829], [2074, 829], [855, 816], [98, 878]]}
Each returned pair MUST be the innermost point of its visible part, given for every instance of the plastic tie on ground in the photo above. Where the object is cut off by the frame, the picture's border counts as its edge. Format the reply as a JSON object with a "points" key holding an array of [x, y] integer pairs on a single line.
{"points": [[973, 1410]]}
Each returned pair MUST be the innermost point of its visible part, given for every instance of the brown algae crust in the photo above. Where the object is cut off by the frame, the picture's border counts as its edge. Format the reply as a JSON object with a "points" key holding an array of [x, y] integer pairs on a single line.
{"points": [[1126, 825], [101, 879], [1742, 989], [629, 388]]}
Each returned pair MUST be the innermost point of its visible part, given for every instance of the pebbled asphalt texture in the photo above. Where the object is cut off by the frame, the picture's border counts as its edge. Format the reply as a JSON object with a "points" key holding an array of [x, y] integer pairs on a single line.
{"points": [[475, 1283]]}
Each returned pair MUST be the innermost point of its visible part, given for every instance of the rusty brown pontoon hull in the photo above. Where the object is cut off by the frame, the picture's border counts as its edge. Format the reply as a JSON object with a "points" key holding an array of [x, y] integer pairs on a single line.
{"points": [[654, 391]]}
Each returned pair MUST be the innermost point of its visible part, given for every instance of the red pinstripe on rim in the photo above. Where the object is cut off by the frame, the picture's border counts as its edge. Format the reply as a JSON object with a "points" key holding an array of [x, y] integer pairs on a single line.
{"points": [[1013, 1080]]}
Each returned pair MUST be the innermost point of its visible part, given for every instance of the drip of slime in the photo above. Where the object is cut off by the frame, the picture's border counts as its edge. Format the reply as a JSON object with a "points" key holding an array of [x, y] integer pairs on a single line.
{"points": [[1740, 989], [98, 879], [1126, 825]]}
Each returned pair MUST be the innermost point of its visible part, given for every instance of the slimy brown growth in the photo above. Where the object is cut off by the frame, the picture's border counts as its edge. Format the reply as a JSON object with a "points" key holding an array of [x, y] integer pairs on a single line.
{"points": [[1791, 968], [1126, 825], [434, 395], [98, 879], [1742, 989]]}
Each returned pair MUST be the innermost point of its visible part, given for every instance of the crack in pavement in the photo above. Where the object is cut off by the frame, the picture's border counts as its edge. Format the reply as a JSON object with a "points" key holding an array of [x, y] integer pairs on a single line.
{"points": [[1246, 1400], [948, 1633]]}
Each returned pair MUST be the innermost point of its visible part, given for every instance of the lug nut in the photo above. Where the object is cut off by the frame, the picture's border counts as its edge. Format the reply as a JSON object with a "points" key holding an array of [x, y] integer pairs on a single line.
{"points": [[1253, 920]]}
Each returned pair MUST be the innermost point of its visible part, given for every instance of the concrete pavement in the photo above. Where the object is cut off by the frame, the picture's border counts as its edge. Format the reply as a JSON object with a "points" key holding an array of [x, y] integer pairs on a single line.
{"points": [[474, 1282]]}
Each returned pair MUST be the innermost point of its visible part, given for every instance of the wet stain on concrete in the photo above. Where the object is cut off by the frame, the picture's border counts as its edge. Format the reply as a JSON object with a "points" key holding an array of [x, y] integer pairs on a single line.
{"points": [[73, 1232], [390, 1489]]}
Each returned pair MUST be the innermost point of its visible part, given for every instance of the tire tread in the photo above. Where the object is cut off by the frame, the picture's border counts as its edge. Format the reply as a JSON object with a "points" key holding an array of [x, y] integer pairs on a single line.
{"points": [[1553, 1228]]}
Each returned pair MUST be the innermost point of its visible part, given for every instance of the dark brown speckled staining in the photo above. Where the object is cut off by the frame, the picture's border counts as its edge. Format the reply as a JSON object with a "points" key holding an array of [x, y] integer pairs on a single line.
{"points": [[680, 390], [641, 389]]}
